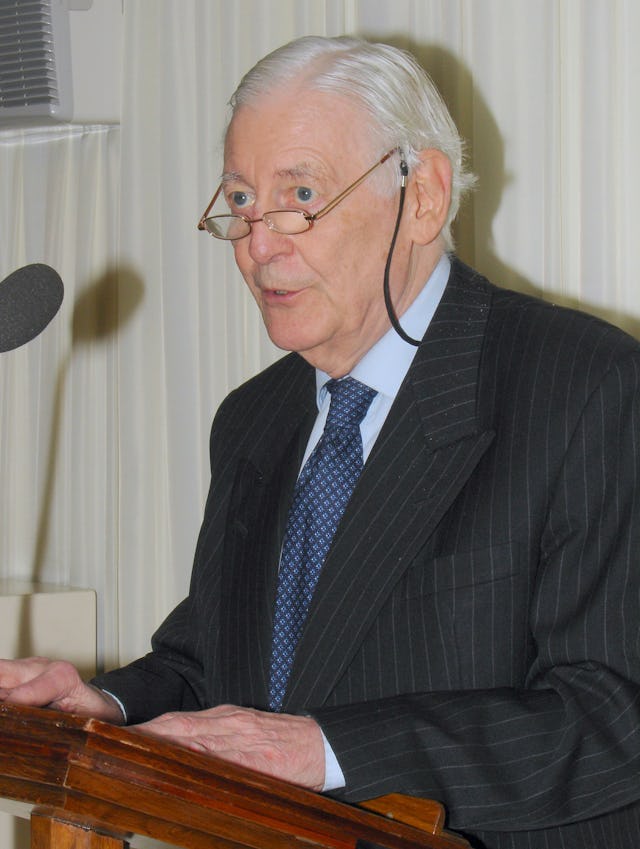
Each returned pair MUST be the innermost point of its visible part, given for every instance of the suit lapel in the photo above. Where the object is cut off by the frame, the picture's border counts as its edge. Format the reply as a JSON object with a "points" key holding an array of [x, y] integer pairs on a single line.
{"points": [[431, 442]]}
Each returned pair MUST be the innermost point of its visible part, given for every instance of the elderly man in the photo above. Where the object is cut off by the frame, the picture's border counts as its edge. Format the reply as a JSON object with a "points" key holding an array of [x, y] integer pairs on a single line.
{"points": [[417, 570]]}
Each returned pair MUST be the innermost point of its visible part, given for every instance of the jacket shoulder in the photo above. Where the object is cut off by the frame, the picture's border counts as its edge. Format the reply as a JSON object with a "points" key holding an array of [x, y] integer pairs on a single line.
{"points": [[272, 401], [290, 369], [521, 321]]}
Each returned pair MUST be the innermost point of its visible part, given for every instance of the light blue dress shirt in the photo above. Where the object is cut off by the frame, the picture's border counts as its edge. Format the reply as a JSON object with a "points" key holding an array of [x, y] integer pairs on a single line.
{"points": [[383, 368]]}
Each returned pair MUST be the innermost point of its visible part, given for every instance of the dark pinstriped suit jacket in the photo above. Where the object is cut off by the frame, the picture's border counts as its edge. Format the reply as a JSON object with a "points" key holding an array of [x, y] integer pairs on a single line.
{"points": [[474, 636]]}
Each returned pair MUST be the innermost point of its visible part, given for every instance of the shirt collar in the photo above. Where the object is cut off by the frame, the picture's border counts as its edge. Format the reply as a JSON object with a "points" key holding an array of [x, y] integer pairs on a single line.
{"points": [[385, 365]]}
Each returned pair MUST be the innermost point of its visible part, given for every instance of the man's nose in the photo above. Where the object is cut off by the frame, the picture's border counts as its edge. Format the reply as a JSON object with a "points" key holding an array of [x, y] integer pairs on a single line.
{"points": [[265, 244]]}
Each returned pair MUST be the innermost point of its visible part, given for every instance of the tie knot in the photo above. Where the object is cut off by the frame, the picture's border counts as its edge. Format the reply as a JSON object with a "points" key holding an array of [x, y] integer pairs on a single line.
{"points": [[350, 401]]}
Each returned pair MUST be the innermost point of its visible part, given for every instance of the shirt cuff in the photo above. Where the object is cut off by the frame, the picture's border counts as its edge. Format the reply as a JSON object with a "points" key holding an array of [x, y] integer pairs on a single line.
{"points": [[333, 775], [118, 702]]}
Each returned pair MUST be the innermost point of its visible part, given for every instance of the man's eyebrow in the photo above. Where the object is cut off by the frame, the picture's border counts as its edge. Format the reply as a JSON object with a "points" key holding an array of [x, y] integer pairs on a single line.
{"points": [[231, 177], [301, 169]]}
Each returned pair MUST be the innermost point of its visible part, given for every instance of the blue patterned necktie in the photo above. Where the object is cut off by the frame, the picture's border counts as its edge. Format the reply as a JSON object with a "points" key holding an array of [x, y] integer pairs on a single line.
{"points": [[319, 499]]}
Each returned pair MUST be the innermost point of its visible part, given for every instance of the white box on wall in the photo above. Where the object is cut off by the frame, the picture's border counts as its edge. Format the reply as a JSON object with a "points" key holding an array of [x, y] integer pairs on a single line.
{"points": [[60, 62], [48, 620], [51, 621], [96, 28]]}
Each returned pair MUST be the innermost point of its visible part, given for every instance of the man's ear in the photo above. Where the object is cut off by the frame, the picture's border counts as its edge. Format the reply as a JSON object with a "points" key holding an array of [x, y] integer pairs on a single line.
{"points": [[430, 193]]}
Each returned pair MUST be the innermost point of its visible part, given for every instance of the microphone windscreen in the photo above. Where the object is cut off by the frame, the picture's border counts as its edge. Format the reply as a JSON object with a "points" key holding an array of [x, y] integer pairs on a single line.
{"points": [[29, 299]]}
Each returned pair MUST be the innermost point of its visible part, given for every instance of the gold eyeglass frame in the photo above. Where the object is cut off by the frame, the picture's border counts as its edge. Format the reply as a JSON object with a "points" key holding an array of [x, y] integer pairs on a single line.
{"points": [[307, 217]]}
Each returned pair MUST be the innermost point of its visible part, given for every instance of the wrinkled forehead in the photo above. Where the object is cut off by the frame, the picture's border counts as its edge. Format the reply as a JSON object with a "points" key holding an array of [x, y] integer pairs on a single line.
{"points": [[294, 118]]}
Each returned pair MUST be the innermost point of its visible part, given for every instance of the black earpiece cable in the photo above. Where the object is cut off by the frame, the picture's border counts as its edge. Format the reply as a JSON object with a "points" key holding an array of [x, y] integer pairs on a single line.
{"points": [[393, 318]]}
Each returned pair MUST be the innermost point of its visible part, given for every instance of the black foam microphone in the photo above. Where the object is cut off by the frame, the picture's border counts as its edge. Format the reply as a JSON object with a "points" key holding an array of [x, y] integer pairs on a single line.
{"points": [[29, 299]]}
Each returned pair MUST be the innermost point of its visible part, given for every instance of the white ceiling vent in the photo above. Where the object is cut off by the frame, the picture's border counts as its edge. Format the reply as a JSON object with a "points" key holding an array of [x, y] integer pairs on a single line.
{"points": [[35, 62]]}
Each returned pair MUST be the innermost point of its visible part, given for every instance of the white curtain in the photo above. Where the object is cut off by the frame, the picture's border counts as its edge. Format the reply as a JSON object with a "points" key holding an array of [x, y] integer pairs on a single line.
{"points": [[105, 418], [58, 395]]}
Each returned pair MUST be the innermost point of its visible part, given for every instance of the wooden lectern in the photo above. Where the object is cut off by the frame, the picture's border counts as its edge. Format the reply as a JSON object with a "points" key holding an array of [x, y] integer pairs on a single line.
{"points": [[90, 785]]}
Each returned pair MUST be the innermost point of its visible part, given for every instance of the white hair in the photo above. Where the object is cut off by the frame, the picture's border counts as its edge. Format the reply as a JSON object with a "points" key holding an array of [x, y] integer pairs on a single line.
{"points": [[406, 108]]}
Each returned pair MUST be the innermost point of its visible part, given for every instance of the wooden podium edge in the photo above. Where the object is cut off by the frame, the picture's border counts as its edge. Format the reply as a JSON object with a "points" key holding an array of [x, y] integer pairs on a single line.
{"points": [[118, 780]]}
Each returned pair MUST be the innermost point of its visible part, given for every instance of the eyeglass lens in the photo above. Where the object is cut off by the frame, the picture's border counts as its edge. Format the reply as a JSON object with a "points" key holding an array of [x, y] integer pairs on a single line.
{"points": [[287, 221]]}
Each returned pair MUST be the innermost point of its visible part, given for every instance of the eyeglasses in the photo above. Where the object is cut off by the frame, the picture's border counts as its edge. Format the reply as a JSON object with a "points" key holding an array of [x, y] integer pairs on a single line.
{"points": [[286, 221]]}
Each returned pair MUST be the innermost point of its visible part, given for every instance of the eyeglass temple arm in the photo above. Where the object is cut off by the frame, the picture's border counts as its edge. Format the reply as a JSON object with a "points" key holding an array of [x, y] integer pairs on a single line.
{"points": [[209, 208], [349, 189]]}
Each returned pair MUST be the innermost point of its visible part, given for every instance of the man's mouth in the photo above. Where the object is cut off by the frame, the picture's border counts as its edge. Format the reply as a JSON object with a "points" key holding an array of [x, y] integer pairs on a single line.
{"points": [[279, 292]]}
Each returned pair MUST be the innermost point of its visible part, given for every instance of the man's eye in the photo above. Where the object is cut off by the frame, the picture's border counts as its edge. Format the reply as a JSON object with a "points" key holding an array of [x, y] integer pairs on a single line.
{"points": [[304, 194], [238, 199]]}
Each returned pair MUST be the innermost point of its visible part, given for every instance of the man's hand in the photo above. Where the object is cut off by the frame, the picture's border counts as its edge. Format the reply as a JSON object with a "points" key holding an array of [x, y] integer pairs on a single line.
{"points": [[280, 745], [39, 682]]}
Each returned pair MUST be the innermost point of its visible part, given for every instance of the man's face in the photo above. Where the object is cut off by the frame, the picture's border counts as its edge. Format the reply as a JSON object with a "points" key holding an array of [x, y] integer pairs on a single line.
{"points": [[319, 292]]}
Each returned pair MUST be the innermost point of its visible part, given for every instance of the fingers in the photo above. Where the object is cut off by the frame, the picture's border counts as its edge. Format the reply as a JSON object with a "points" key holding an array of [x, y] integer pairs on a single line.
{"points": [[15, 672], [34, 681], [39, 682]]}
